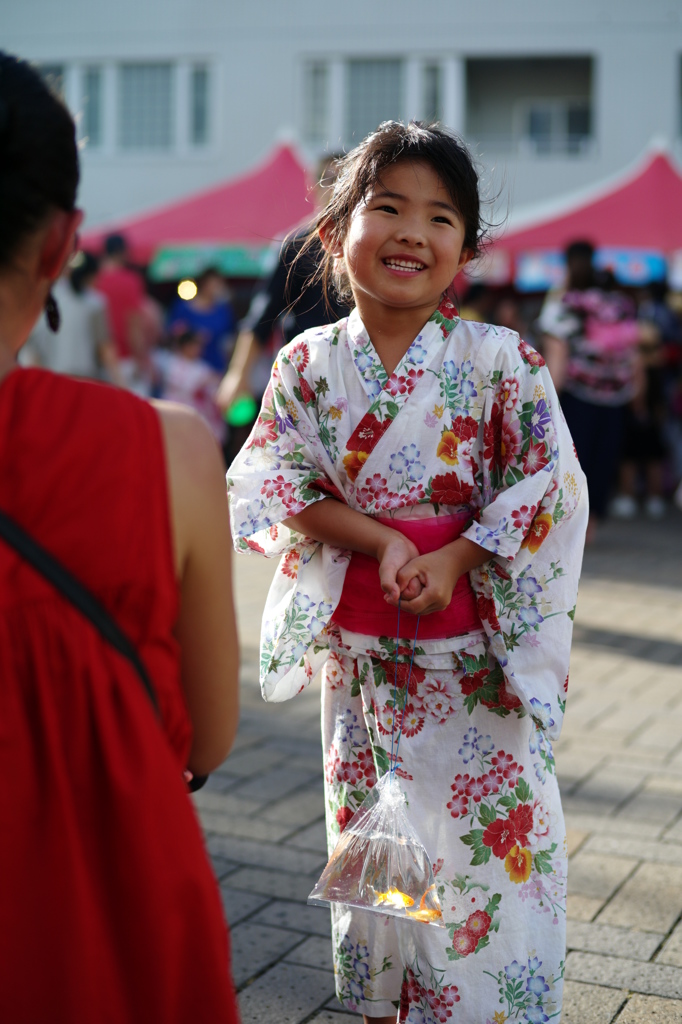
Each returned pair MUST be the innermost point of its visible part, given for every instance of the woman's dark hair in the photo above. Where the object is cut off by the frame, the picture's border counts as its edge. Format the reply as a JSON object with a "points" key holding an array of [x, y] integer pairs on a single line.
{"points": [[83, 270], [360, 171], [38, 154]]}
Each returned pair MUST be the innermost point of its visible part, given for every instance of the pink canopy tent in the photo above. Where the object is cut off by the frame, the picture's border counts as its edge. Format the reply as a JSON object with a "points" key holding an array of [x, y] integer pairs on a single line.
{"points": [[643, 209], [637, 215], [248, 212]]}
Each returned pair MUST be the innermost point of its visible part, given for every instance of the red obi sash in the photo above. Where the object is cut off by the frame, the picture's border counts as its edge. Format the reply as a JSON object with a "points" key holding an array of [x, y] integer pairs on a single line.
{"points": [[362, 608]]}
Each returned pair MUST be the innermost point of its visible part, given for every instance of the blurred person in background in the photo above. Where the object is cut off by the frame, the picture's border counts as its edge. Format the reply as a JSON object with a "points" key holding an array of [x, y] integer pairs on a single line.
{"points": [[184, 376], [644, 446], [477, 304], [82, 347], [657, 307], [508, 314], [110, 911], [591, 345], [291, 301], [125, 294], [210, 315]]}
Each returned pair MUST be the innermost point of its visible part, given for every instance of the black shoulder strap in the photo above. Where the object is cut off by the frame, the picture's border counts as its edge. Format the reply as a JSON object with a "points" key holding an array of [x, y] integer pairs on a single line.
{"points": [[81, 598]]}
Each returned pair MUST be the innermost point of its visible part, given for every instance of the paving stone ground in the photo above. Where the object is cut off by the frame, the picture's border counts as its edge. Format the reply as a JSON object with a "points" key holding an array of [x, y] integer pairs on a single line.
{"points": [[619, 762]]}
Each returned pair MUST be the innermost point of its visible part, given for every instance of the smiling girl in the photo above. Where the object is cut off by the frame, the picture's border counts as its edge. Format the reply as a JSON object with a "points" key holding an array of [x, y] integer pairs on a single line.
{"points": [[406, 457]]}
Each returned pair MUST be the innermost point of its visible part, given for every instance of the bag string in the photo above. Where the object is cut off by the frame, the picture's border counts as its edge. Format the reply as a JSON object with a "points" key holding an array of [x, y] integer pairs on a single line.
{"points": [[394, 758]]}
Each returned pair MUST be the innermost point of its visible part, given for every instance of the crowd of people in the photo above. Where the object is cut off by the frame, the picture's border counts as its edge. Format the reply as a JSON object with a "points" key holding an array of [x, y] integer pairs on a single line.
{"points": [[615, 355]]}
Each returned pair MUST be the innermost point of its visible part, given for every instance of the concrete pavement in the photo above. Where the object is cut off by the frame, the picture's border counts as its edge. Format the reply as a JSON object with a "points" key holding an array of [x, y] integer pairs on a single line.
{"points": [[620, 766]]}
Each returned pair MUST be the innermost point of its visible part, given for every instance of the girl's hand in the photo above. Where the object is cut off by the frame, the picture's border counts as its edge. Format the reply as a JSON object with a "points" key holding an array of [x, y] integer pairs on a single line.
{"points": [[436, 575], [393, 553], [427, 582]]}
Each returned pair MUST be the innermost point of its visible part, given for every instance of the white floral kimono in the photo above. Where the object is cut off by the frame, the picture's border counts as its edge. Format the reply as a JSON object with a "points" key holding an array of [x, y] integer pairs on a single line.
{"points": [[468, 420]]}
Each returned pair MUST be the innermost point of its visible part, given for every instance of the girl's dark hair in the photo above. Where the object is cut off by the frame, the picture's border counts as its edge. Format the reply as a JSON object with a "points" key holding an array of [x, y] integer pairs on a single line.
{"points": [[38, 154], [360, 171]]}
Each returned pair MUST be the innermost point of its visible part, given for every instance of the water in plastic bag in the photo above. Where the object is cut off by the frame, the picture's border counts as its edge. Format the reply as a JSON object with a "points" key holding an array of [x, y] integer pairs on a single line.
{"points": [[379, 862]]}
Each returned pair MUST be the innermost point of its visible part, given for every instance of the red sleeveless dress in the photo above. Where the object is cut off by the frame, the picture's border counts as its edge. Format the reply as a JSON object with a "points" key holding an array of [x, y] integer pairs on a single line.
{"points": [[109, 912]]}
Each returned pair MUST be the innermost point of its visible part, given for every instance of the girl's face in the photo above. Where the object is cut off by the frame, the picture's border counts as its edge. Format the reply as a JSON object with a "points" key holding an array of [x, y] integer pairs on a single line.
{"points": [[404, 242]]}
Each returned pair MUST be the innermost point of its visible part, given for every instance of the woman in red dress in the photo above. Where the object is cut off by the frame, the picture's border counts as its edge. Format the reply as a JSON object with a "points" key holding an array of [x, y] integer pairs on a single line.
{"points": [[109, 911]]}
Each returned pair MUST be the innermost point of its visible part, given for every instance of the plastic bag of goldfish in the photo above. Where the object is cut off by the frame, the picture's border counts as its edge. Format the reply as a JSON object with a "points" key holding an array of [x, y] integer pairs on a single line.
{"points": [[379, 862]]}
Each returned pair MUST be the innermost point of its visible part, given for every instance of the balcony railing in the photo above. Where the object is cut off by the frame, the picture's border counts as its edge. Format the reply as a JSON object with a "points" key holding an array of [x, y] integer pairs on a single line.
{"points": [[538, 146]]}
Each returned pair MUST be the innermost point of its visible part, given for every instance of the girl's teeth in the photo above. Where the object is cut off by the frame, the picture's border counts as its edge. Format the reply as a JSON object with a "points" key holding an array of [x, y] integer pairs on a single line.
{"points": [[403, 265]]}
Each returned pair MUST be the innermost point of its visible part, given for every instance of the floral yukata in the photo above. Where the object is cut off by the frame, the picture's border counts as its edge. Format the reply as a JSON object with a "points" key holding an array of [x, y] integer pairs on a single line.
{"points": [[468, 420]]}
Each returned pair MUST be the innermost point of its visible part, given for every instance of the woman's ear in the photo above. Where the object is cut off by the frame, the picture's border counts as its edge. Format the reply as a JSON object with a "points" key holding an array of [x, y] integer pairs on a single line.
{"points": [[330, 244], [58, 243]]}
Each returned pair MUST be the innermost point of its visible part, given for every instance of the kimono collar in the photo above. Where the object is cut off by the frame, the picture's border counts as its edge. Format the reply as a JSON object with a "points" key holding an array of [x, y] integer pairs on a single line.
{"points": [[388, 394], [370, 368]]}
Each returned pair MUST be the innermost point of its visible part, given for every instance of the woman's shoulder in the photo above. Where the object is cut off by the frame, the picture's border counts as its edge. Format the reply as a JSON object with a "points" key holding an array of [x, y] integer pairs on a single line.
{"points": [[190, 449]]}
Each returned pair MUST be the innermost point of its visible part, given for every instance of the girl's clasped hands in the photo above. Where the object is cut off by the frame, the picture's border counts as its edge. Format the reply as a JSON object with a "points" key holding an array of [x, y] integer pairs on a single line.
{"points": [[423, 583]]}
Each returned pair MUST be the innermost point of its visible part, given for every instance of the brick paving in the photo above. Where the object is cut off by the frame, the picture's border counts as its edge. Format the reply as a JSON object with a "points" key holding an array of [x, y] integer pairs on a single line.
{"points": [[620, 766]]}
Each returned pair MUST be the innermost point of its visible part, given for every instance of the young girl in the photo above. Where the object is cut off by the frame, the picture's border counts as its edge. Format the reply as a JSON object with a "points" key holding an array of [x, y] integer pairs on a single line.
{"points": [[405, 456]]}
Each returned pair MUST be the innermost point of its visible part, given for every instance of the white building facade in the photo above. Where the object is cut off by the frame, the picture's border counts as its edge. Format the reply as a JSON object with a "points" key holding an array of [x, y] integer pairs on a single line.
{"points": [[175, 95]]}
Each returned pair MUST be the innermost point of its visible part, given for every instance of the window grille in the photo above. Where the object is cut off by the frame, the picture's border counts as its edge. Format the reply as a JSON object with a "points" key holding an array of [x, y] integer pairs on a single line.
{"points": [[92, 106], [433, 93], [316, 102], [146, 106], [375, 94], [560, 126], [199, 131]]}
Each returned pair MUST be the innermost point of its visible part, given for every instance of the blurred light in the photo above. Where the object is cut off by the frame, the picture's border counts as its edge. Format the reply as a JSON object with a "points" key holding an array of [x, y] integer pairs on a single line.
{"points": [[187, 290]]}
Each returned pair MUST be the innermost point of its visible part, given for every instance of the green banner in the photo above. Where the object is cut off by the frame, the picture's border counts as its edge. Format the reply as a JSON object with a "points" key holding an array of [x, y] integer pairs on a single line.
{"points": [[174, 262]]}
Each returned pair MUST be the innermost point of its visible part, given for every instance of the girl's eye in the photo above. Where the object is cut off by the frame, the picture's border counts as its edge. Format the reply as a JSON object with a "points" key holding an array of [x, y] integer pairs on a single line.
{"points": [[387, 209], [443, 220]]}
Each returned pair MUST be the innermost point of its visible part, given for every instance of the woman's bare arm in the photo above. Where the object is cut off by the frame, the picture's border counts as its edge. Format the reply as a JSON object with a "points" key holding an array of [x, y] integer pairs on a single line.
{"points": [[206, 627], [555, 351], [236, 380]]}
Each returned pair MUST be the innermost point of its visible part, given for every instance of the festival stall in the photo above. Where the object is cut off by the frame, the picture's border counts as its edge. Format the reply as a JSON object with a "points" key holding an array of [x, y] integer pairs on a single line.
{"points": [[634, 220], [231, 226]]}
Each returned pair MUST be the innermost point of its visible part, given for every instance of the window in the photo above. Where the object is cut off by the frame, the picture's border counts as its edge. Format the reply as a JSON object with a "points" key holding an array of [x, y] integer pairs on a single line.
{"points": [[559, 127], [199, 127], [92, 106], [432, 105], [536, 104], [316, 102], [375, 94], [146, 106], [53, 74]]}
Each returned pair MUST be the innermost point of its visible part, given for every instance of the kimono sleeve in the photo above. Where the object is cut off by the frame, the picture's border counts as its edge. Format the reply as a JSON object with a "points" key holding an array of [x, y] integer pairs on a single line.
{"points": [[533, 522], [283, 467]]}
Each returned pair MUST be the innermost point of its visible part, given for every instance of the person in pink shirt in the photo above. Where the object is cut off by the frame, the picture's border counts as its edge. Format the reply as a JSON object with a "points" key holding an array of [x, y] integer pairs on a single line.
{"points": [[125, 295]]}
